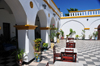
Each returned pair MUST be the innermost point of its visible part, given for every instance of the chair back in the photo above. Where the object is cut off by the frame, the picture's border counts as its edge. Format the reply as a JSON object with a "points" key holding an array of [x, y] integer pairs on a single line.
{"points": [[70, 45], [47, 64], [54, 50], [70, 38]]}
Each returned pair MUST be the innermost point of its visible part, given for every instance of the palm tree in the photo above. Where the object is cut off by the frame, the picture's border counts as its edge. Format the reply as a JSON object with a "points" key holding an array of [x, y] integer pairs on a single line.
{"points": [[71, 9]]}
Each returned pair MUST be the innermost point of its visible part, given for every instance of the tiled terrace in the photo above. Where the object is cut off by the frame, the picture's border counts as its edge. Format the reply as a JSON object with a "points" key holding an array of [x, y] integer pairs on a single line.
{"points": [[88, 53]]}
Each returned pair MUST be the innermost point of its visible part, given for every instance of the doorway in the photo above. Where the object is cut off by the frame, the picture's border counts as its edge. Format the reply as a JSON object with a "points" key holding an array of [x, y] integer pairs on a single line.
{"points": [[6, 31], [37, 30]]}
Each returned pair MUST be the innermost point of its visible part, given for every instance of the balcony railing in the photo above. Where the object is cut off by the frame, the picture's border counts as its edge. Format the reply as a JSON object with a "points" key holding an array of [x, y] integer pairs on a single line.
{"points": [[85, 12]]}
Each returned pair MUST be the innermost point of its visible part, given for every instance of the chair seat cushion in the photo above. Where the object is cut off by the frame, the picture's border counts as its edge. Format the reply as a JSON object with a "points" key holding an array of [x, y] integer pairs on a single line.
{"points": [[67, 58]]}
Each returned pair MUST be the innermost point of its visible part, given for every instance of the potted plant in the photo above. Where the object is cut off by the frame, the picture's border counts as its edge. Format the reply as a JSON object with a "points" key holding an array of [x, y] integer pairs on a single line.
{"points": [[90, 37], [37, 44], [37, 49], [52, 35], [83, 34], [45, 45], [52, 27], [37, 56], [62, 33], [71, 32], [67, 37], [77, 36], [95, 34], [19, 56], [57, 34]]}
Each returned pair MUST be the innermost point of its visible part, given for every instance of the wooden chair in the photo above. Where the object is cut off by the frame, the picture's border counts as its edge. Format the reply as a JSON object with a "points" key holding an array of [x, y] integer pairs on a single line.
{"points": [[69, 51], [72, 51], [68, 57], [55, 55], [47, 64], [70, 38], [70, 45]]}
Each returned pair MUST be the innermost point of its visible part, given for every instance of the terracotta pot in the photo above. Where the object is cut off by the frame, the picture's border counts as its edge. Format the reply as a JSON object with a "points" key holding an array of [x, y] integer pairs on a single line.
{"points": [[62, 37], [20, 62]]}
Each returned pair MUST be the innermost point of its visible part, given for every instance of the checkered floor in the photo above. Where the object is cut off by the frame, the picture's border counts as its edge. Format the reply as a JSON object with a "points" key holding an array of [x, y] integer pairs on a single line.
{"points": [[88, 54], [8, 61]]}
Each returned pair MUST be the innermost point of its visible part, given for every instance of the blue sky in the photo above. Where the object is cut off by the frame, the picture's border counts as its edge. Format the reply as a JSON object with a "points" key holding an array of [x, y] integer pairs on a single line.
{"points": [[79, 4]]}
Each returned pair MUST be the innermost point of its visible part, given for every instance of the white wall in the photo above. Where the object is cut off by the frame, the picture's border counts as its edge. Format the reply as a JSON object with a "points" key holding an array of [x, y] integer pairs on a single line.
{"points": [[6, 17], [78, 24], [24, 14]]}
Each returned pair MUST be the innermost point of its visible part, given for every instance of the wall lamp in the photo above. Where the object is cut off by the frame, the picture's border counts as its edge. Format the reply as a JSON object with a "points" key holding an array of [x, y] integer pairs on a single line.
{"points": [[44, 6], [54, 14], [59, 18]]}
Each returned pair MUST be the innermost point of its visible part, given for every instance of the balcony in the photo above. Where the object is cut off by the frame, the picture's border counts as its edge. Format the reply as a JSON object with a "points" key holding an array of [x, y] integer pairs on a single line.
{"points": [[84, 12]]}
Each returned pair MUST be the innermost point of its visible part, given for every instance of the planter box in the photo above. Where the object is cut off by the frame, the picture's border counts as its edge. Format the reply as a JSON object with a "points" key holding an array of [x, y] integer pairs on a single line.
{"points": [[58, 40], [52, 45], [39, 57]]}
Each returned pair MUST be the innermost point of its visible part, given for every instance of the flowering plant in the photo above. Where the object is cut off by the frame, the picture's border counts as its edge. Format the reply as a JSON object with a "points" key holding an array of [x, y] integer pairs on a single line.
{"points": [[38, 40], [45, 44], [37, 44], [52, 27], [57, 34]]}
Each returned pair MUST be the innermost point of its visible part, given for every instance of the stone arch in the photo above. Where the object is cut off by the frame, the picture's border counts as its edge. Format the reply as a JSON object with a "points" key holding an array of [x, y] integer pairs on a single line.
{"points": [[94, 25], [94, 21], [52, 21], [99, 32], [75, 21], [74, 24], [19, 13], [42, 17]]}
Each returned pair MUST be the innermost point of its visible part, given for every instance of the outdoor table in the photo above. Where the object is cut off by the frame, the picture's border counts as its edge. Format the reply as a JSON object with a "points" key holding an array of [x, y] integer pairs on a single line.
{"points": [[60, 63]]}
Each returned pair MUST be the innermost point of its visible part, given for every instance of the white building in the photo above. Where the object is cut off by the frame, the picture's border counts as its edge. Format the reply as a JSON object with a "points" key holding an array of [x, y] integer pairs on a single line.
{"points": [[87, 20], [33, 18]]}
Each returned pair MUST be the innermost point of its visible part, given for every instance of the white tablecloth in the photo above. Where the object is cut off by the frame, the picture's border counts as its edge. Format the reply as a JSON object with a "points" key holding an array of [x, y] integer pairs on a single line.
{"points": [[61, 63], [63, 50], [71, 40]]}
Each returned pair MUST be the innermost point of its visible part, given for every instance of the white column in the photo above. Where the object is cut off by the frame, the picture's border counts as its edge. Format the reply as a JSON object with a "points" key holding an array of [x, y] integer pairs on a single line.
{"points": [[79, 13], [25, 41], [87, 33], [69, 14], [45, 36], [84, 13], [76, 13], [72, 14], [97, 12], [89, 12], [92, 12]]}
